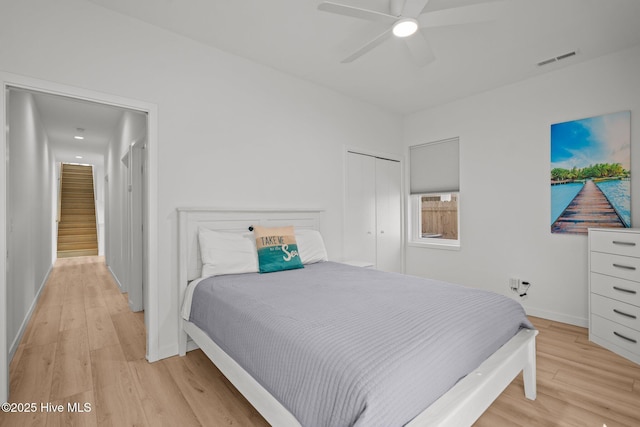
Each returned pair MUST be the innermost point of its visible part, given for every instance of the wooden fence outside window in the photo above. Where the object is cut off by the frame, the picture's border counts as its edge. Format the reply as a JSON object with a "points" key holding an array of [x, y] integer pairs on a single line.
{"points": [[439, 219]]}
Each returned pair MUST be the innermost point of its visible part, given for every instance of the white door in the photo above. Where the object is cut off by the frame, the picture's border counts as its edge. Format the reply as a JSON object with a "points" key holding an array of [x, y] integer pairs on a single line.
{"points": [[388, 215], [360, 209], [136, 197]]}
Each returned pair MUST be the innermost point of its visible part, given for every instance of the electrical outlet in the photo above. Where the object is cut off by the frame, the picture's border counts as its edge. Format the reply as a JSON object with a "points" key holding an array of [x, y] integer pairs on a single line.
{"points": [[514, 284]]}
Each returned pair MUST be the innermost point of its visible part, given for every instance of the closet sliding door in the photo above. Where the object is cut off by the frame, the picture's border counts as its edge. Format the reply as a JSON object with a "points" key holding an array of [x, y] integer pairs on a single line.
{"points": [[373, 211]]}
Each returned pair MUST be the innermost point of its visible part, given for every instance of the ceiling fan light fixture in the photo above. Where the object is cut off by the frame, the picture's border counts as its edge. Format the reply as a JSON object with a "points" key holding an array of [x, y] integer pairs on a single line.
{"points": [[405, 27]]}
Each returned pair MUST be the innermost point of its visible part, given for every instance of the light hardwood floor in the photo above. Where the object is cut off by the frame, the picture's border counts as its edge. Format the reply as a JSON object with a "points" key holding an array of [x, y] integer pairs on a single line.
{"points": [[83, 345]]}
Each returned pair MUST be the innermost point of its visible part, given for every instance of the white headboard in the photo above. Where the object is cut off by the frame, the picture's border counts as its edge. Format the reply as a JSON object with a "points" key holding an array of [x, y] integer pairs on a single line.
{"points": [[190, 219]]}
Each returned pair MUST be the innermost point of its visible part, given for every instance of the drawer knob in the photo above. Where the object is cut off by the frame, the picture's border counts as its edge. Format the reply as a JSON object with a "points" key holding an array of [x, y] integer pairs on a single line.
{"points": [[624, 338], [628, 291], [622, 313], [626, 267], [620, 242]]}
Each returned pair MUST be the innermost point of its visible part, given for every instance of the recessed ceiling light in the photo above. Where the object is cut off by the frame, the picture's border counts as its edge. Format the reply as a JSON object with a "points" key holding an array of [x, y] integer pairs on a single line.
{"points": [[79, 137], [405, 27], [78, 157]]}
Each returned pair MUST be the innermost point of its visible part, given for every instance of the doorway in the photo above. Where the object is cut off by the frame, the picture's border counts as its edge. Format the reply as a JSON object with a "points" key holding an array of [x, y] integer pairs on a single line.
{"points": [[147, 217]]}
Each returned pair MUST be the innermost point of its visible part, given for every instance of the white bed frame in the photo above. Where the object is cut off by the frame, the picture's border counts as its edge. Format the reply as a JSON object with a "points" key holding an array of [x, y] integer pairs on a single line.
{"points": [[460, 406]]}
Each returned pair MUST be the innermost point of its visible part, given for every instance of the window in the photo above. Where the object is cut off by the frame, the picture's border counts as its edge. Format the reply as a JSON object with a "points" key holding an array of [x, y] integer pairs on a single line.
{"points": [[435, 218], [434, 184]]}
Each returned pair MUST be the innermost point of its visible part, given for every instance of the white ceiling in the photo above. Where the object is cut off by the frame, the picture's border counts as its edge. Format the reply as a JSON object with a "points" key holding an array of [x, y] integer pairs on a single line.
{"points": [[296, 38], [61, 117]]}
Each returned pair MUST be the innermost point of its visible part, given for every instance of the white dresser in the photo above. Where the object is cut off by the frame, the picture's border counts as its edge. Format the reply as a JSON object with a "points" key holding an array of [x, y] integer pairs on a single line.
{"points": [[614, 290]]}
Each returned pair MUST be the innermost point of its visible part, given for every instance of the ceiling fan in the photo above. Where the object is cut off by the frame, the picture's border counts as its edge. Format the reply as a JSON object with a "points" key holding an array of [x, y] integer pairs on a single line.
{"points": [[406, 17]]}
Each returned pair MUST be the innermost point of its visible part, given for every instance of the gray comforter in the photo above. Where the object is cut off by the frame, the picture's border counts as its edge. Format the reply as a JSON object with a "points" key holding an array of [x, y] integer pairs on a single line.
{"points": [[348, 346]]}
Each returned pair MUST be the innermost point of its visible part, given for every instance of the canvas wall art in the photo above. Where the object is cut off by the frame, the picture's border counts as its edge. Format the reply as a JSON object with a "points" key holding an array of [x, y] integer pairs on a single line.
{"points": [[591, 173]]}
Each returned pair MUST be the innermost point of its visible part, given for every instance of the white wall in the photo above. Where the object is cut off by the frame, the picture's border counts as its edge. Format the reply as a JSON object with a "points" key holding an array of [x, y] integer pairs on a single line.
{"points": [[504, 181], [30, 211], [231, 132]]}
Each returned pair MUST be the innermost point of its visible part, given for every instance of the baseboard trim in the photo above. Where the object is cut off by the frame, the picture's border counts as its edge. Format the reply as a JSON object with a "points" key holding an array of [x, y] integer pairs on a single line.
{"points": [[120, 285], [16, 342], [558, 317]]}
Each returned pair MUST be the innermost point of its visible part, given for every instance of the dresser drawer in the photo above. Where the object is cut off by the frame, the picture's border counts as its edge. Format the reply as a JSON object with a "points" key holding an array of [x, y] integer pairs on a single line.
{"points": [[619, 312], [616, 288], [621, 336], [624, 267], [620, 243]]}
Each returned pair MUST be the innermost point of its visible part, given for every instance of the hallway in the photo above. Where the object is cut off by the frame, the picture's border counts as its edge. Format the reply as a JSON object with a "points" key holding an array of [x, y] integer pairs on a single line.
{"points": [[84, 346]]}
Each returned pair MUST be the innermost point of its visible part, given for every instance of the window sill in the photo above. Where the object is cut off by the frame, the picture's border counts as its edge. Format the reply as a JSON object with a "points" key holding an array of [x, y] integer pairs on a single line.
{"points": [[435, 245]]}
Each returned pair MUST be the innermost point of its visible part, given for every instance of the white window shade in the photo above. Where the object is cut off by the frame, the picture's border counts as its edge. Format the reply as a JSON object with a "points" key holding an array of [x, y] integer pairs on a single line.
{"points": [[435, 167]]}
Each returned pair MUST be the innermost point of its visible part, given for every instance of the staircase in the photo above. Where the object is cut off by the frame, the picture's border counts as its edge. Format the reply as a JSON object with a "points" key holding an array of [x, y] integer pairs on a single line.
{"points": [[77, 234]]}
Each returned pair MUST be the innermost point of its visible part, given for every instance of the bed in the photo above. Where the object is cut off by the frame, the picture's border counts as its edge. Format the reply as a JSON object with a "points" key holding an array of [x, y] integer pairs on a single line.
{"points": [[461, 403]]}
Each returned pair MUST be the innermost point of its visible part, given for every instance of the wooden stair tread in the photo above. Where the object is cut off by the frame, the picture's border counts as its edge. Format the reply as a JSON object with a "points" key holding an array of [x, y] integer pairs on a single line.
{"points": [[78, 212], [84, 221], [77, 246], [65, 226], [71, 238], [76, 225], [76, 253]]}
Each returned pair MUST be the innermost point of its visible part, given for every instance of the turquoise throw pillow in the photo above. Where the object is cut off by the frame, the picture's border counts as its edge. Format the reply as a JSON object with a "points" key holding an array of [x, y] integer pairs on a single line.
{"points": [[277, 249]]}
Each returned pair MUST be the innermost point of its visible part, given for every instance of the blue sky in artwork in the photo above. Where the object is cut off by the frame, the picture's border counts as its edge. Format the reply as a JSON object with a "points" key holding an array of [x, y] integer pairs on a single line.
{"points": [[584, 142]]}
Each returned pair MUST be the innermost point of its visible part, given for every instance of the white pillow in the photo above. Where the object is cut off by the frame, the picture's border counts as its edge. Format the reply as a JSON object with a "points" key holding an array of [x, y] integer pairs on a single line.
{"points": [[310, 246], [225, 252]]}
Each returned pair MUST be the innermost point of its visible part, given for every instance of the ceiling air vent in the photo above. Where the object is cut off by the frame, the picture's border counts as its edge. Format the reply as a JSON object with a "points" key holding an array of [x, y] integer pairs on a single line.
{"points": [[557, 58]]}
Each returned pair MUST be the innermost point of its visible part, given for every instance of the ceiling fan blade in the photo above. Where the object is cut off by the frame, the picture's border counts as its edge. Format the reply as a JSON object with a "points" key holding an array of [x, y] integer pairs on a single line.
{"points": [[395, 7], [356, 12], [367, 47], [413, 8], [481, 12], [420, 49]]}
